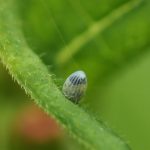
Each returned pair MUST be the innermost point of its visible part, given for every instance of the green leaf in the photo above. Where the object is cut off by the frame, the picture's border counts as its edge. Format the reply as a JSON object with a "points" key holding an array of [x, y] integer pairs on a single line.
{"points": [[29, 71]]}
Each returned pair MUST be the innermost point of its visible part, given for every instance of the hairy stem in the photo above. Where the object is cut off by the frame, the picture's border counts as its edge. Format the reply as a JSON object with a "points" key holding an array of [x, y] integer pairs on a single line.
{"points": [[29, 71]]}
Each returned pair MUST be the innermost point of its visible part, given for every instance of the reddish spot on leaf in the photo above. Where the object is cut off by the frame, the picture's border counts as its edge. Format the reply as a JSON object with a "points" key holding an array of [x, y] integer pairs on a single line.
{"points": [[36, 125]]}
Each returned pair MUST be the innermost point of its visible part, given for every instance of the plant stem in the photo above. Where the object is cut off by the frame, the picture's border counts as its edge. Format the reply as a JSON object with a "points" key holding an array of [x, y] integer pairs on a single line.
{"points": [[29, 71]]}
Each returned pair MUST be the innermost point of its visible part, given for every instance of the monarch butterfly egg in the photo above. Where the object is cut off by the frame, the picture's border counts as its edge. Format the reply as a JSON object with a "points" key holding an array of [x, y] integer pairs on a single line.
{"points": [[75, 86]]}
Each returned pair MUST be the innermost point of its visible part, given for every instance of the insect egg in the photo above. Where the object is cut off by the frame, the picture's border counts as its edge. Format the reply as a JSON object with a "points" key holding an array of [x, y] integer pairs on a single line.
{"points": [[75, 86]]}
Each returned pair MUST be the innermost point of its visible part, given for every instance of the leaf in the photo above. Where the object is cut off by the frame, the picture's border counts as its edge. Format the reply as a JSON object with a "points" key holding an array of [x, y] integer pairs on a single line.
{"points": [[29, 71]]}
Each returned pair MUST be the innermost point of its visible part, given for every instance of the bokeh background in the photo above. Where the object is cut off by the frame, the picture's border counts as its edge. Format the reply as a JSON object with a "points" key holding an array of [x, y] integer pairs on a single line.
{"points": [[115, 59]]}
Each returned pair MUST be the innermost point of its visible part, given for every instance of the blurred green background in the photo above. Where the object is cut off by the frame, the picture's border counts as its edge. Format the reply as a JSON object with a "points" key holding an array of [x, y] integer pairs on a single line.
{"points": [[116, 61]]}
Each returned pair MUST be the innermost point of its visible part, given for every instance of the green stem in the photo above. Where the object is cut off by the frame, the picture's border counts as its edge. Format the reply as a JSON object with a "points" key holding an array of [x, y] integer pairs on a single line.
{"points": [[29, 71], [96, 28]]}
